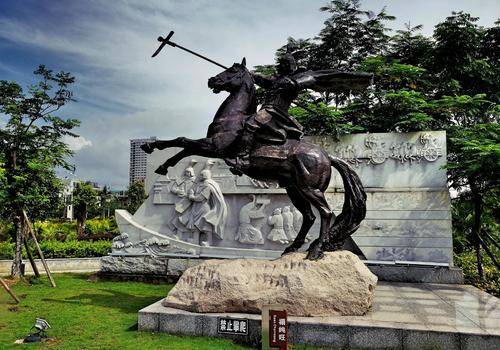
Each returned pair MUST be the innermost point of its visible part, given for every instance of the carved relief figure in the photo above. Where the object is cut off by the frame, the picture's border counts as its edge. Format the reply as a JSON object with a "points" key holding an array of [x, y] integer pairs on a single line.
{"points": [[376, 146], [247, 232], [209, 211], [181, 188], [431, 150], [277, 234], [290, 231], [297, 219]]}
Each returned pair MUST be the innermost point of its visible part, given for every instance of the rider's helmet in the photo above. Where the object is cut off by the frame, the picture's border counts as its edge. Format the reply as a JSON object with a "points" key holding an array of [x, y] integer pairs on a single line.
{"points": [[287, 63]]}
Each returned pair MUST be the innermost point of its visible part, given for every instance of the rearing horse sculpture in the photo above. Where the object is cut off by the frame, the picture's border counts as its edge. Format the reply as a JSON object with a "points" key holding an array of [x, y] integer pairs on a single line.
{"points": [[302, 168]]}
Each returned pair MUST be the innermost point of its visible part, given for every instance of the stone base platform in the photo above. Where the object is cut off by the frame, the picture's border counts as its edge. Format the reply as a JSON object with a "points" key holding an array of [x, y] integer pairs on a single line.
{"points": [[403, 316], [171, 268]]}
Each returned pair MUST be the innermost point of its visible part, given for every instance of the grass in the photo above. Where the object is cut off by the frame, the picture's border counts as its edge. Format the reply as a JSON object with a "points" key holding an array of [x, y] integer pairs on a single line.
{"points": [[90, 315]]}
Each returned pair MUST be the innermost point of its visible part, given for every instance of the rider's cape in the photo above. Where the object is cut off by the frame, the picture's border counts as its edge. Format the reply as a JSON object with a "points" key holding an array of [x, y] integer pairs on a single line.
{"points": [[279, 128]]}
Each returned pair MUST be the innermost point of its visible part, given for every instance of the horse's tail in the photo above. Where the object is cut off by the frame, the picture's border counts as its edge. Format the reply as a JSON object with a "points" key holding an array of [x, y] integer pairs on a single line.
{"points": [[354, 209]]}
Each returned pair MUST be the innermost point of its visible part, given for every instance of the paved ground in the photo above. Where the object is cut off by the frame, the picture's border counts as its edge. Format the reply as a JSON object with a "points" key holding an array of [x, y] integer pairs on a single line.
{"points": [[403, 316], [436, 307]]}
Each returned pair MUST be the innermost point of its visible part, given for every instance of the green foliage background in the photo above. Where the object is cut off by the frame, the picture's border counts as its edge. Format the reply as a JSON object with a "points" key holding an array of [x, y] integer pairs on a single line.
{"points": [[449, 81]]}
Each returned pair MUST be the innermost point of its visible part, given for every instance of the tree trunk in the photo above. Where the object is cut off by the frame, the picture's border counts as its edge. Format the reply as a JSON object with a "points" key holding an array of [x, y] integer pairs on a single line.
{"points": [[479, 259], [81, 219], [476, 227], [18, 257], [16, 211]]}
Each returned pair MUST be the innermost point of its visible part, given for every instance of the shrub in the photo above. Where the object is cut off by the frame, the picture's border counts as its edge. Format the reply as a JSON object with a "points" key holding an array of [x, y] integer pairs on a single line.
{"points": [[467, 261], [75, 249], [68, 249], [6, 231], [95, 226], [55, 230], [99, 229], [6, 250]]}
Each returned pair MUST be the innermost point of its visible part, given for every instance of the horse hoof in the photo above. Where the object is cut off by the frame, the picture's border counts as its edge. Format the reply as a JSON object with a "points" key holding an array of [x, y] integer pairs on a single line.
{"points": [[315, 254], [289, 250], [235, 172], [147, 148], [162, 170]]}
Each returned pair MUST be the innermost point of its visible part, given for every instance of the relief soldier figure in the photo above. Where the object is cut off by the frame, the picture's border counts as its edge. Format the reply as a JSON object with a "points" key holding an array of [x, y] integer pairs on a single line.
{"points": [[290, 231], [277, 233], [181, 188], [248, 233], [209, 211]]}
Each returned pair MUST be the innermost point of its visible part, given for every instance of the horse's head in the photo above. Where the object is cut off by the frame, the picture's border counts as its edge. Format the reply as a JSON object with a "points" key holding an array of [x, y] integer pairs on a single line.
{"points": [[231, 79]]}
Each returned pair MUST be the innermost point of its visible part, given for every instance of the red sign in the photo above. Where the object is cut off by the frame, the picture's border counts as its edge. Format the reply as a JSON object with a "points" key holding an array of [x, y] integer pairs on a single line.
{"points": [[278, 330]]}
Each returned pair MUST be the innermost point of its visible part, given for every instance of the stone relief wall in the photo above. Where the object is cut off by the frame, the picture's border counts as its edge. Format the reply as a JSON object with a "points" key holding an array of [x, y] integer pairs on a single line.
{"points": [[202, 209]]}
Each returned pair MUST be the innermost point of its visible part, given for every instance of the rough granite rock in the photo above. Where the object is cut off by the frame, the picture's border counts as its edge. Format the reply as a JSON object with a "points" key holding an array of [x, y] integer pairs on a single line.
{"points": [[338, 284], [134, 265]]}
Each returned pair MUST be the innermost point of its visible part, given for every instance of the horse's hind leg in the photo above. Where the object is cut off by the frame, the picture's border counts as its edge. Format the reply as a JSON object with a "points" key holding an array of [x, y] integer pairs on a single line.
{"points": [[205, 143], [317, 198], [172, 161], [305, 209]]}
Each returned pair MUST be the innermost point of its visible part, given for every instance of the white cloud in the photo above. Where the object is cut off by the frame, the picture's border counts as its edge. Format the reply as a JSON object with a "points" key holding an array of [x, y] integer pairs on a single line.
{"points": [[77, 143]]}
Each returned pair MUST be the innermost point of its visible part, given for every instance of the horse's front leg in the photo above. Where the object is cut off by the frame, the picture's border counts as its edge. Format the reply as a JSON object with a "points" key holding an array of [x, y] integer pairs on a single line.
{"points": [[162, 144], [172, 161], [201, 147]]}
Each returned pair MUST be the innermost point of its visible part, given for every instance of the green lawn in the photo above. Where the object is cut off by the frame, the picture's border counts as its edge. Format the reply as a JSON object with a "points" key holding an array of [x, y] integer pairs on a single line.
{"points": [[90, 315]]}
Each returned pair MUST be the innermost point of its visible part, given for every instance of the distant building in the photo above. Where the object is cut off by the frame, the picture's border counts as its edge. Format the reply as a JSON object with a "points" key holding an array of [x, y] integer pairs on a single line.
{"points": [[138, 159], [94, 185], [67, 195]]}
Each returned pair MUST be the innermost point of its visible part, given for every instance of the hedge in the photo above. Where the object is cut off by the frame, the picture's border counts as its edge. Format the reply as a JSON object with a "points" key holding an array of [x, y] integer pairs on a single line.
{"points": [[467, 262], [68, 249]]}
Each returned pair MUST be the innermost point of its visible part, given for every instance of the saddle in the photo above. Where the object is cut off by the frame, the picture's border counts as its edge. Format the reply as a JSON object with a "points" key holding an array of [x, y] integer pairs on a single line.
{"points": [[270, 151]]}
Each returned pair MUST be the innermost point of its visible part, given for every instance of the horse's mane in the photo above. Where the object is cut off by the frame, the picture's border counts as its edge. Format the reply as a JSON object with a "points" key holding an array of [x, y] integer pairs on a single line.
{"points": [[250, 87]]}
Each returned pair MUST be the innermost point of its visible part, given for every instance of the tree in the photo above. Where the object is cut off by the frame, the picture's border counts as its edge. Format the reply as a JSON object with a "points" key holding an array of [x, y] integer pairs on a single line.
{"points": [[474, 164], [410, 47], [490, 45], [84, 200], [135, 196], [350, 35], [467, 105], [31, 142], [105, 197], [3, 192]]}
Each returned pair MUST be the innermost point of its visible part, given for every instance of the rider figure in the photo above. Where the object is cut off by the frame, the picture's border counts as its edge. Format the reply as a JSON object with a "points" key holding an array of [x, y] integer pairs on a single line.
{"points": [[272, 121]]}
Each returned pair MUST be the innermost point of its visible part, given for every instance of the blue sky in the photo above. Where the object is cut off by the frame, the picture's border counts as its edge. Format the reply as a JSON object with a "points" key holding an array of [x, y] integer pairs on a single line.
{"points": [[123, 93]]}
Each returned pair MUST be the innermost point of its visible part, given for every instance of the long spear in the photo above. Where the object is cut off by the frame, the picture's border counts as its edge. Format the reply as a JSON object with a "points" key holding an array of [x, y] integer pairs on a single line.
{"points": [[166, 41]]}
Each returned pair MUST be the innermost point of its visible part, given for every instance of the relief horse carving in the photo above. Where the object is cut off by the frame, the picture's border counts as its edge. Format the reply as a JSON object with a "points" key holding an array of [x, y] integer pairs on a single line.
{"points": [[301, 168]]}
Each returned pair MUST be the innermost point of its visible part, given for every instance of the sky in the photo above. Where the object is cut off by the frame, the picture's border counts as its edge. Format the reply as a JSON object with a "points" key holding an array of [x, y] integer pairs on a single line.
{"points": [[123, 93]]}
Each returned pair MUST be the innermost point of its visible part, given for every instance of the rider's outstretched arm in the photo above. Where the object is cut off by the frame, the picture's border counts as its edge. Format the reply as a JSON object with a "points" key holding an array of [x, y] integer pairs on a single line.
{"points": [[262, 80], [327, 79]]}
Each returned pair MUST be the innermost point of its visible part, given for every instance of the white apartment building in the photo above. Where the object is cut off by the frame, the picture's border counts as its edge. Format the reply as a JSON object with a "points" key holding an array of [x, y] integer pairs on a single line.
{"points": [[138, 159]]}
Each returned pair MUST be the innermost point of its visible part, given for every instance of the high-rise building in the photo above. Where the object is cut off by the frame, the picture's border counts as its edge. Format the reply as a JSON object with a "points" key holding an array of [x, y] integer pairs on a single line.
{"points": [[138, 159]]}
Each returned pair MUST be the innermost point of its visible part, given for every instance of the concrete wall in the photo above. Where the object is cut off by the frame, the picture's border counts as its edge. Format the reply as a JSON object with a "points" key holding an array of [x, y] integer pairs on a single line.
{"points": [[408, 203], [77, 265]]}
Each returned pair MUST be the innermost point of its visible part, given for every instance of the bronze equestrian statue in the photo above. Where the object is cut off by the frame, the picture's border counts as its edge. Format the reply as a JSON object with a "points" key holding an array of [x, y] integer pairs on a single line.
{"points": [[267, 145]]}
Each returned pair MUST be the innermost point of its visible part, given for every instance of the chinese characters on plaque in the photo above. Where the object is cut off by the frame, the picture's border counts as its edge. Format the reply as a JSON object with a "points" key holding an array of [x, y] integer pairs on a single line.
{"points": [[278, 329], [226, 325]]}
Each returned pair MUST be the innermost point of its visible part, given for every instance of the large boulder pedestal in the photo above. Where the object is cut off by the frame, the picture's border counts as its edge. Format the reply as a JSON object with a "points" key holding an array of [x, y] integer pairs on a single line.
{"points": [[337, 284]]}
